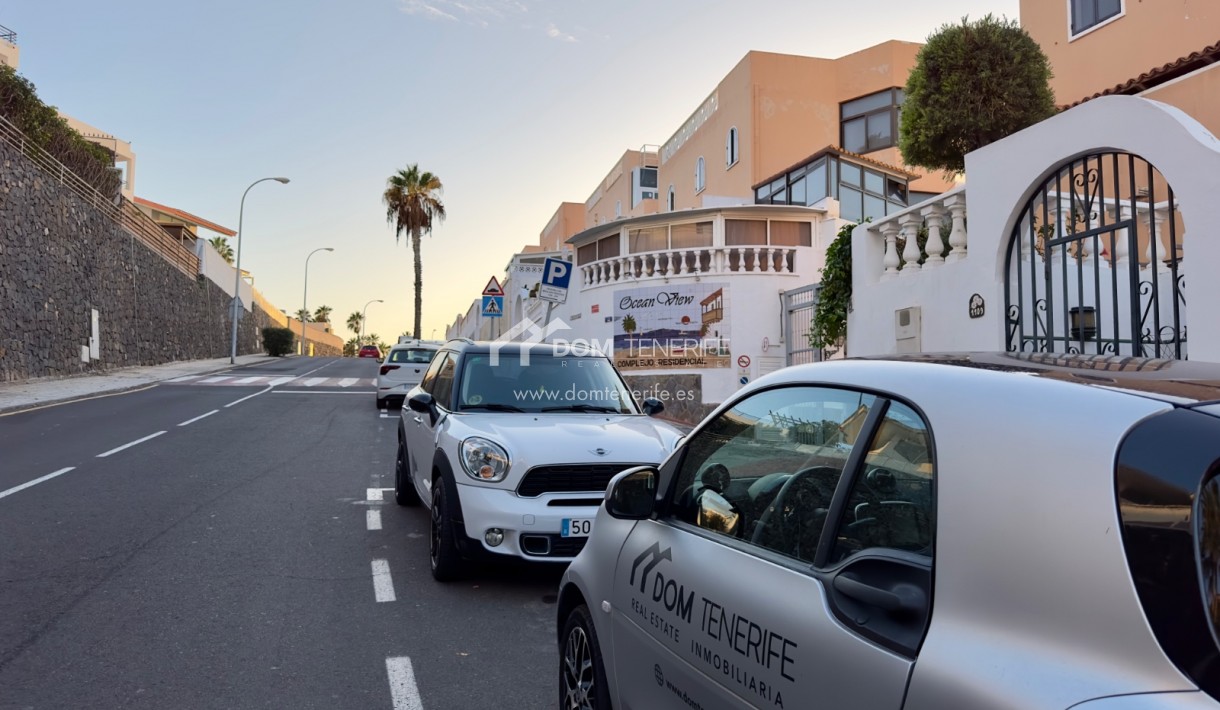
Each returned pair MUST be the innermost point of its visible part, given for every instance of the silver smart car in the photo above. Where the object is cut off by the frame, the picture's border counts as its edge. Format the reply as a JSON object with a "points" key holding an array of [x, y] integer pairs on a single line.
{"points": [[964, 531]]}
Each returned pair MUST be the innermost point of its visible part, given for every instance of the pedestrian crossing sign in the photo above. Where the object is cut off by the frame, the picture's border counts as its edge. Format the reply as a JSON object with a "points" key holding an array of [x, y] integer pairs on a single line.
{"points": [[493, 306]]}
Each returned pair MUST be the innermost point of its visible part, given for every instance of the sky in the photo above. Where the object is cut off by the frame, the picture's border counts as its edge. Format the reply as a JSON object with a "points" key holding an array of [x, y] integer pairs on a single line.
{"points": [[517, 105]]}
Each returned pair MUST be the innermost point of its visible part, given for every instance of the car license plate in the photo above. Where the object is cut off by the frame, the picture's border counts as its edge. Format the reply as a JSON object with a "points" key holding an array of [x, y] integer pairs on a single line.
{"points": [[576, 527]]}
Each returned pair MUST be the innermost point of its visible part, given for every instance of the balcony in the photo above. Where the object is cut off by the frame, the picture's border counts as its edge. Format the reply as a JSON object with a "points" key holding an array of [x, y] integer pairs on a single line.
{"points": [[666, 263]]}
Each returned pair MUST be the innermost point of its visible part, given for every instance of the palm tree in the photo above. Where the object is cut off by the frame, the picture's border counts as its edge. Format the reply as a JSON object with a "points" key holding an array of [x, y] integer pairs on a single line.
{"points": [[303, 315], [412, 200], [354, 321], [221, 245], [322, 315]]}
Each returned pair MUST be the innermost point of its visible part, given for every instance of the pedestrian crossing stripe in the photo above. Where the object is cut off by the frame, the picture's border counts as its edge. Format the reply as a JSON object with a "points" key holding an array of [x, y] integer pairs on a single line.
{"points": [[272, 381]]}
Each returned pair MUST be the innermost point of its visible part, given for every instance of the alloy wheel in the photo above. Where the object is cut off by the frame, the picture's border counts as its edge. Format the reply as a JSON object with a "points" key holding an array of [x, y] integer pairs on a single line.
{"points": [[578, 676]]}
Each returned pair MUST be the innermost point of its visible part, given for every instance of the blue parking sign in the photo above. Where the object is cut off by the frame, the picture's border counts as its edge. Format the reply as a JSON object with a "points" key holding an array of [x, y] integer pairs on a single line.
{"points": [[556, 275]]}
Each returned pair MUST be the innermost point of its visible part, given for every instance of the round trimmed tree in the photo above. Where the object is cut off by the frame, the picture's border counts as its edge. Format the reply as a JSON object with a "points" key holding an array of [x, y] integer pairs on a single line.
{"points": [[973, 84]]}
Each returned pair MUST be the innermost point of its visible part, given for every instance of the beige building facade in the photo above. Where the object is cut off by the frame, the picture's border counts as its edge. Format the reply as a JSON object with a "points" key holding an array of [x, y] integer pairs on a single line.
{"points": [[773, 110], [628, 190]]}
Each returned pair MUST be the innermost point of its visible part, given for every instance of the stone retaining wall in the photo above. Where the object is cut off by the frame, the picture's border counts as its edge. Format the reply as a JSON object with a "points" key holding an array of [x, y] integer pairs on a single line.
{"points": [[60, 259]]}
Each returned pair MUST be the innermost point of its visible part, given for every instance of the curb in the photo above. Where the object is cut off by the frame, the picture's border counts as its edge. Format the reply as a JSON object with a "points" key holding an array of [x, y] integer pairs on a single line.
{"points": [[97, 394]]}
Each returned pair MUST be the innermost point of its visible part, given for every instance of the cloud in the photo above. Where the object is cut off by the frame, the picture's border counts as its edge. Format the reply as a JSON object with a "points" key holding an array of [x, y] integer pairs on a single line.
{"points": [[555, 33], [475, 12]]}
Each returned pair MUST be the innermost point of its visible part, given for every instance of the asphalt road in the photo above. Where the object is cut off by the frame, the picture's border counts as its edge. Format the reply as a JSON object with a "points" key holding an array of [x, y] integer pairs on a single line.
{"points": [[245, 559]]}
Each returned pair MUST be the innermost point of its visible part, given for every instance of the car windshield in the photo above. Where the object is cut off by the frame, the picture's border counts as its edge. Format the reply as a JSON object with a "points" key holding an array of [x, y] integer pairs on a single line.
{"points": [[542, 383], [421, 356]]}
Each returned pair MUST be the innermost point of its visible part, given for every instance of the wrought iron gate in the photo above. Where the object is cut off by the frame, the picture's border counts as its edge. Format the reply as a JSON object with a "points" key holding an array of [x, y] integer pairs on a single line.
{"points": [[798, 305], [1093, 264]]}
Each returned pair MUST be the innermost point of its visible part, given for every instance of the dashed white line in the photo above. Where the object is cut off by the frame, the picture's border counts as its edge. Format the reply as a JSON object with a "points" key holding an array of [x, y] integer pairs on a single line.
{"points": [[264, 391], [281, 381], [313, 381], [375, 494], [383, 583], [373, 518], [129, 445], [348, 381], [403, 690], [201, 416], [36, 481]]}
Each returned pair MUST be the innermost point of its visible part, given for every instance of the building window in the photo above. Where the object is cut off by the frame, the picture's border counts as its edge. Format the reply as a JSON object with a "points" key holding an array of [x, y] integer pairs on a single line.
{"points": [[730, 148], [861, 191], [700, 175], [618, 209], [870, 122], [669, 200], [1087, 14]]}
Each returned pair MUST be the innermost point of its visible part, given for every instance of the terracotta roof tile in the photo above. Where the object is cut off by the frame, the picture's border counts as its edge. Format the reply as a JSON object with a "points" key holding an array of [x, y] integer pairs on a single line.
{"points": [[1160, 75], [185, 216]]}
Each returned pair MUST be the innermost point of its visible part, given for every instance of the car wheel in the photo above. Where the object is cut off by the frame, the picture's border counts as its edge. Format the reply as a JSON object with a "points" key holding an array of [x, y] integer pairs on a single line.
{"points": [[582, 676], [380, 403], [442, 547], [404, 487]]}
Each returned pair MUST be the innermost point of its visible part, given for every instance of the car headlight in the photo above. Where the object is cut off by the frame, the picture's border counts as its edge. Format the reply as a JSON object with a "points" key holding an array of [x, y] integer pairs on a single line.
{"points": [[484, 460]]}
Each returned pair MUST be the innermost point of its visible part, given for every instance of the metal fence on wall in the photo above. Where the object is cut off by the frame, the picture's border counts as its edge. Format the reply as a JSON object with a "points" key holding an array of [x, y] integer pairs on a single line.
{"points": [[122, 212]]}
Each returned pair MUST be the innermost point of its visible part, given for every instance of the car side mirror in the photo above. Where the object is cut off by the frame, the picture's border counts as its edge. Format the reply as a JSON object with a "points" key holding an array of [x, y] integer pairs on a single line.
{"points": [[632, 494], [653, 406], [421, 402]]}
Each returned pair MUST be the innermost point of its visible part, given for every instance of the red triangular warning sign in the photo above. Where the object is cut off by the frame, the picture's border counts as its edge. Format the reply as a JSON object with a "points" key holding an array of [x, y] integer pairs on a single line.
{"points": [[493, 288]]}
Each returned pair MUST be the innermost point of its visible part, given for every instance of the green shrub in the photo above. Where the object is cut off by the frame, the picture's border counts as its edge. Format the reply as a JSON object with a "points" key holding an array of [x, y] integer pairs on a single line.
{"points": [[829, 326], [972, 85], [44, 127], [278, 341]]}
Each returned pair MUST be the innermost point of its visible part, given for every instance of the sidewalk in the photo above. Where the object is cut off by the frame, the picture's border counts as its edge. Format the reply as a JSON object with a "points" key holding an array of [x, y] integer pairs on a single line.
{"points": [[17, 396]]}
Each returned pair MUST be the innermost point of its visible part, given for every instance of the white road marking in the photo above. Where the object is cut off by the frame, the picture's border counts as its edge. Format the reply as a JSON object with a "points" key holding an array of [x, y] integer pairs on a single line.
{"points": [[201, 416], [281, 381], [403, 690], [348, 381], [252, 396], [188, 378], [383, 583], [373, 518], [36, 481], [387, 416], [212, 380], [374, 494], [130, 444], [314, 381], [362, 394], [246, 380]]}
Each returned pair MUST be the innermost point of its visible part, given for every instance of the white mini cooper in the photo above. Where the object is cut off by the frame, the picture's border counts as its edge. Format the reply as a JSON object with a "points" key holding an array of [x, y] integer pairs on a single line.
{"points": [[512, 445]]}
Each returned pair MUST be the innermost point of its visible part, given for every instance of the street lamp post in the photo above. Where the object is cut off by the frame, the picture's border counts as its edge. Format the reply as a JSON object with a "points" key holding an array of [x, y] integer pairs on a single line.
{"points": [[237, 276], [360, 340], [305, 295]]}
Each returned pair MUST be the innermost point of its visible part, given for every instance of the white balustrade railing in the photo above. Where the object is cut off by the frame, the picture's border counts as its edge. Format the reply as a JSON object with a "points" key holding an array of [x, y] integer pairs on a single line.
{"points": [[942, 219], [753, 259]]}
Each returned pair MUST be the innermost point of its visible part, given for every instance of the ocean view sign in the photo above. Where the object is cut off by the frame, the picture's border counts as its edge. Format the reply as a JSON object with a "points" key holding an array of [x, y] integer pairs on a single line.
{"points": [[672, 327]]}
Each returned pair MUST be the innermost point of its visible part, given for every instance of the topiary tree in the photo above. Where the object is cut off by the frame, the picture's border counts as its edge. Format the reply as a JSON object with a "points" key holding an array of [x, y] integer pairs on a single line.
{"points": [[972, 84], [278, 341]]}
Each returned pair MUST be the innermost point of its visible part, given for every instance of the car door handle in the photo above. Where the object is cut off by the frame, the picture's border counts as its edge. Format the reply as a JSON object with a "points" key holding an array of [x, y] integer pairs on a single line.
{"points": [[417, 420], [904, 598]]}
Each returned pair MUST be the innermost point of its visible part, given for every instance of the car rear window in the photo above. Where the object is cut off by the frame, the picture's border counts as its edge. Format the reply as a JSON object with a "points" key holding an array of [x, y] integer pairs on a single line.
{"points": [[1209, 550], [420, 356], [1169, 504]]}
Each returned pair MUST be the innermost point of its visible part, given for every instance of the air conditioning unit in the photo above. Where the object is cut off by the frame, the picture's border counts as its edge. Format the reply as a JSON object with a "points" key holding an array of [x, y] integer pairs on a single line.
{"points": [[907, 322]]}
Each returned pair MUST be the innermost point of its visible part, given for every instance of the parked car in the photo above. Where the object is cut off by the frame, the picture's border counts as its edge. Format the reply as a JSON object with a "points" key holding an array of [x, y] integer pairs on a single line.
{"points": [[402, 369], [511, 447], [971, 531], [370, 351]]}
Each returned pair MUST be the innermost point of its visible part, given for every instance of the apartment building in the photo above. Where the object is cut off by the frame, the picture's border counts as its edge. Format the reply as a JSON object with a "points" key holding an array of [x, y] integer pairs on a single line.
{"points": [[774, 111], [1165, 51], [628, 190]]}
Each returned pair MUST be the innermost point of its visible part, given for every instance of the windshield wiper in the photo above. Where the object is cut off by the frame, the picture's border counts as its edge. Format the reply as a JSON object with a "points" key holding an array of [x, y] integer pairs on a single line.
{"points": [[493, 407], [583, 408]]}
